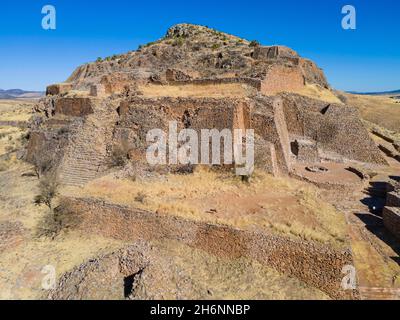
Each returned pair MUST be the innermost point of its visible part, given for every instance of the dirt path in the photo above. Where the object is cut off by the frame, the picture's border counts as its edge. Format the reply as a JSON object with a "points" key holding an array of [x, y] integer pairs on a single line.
{"points": [[376, 252]]}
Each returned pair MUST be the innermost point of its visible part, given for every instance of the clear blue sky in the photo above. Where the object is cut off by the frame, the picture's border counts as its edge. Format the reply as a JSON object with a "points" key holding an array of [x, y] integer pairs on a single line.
{"points": [[365, 59]]}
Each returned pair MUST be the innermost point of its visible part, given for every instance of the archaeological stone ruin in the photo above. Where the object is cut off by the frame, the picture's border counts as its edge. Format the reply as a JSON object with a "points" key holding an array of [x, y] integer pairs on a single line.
{"points": [[110, 105], [96, 123]]}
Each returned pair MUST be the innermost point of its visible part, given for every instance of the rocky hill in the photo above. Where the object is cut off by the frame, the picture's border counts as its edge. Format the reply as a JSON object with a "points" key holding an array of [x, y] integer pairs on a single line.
{"points": [[203, 53], [204, 79]]}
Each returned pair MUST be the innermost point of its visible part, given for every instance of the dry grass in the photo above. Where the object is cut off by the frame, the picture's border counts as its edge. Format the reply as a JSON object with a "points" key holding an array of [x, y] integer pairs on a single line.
{"points": [[20, 267], [77, 93], [20, 276], [196, 91], [282, 205], [316, 92], [11, 139], [380, 110], [15, 110]]}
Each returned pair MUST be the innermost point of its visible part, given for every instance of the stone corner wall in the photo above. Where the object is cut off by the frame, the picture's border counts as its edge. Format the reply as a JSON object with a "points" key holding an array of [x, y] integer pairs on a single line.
{"points": [[282, 78]]}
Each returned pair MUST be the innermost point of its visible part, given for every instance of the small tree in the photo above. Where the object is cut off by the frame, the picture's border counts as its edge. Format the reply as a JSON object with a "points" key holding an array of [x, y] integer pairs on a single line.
{"points": [[119, 155], [42, 165], [254, 43], [48, 189]]}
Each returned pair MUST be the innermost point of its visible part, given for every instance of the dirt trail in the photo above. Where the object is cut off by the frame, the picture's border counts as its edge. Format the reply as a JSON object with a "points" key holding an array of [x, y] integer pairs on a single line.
{"points": [[376, 252]]}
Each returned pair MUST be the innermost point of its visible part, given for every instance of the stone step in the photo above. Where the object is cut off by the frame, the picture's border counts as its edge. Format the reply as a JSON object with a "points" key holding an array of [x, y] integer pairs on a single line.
{"points": [[89, 161], [87, 153], [81, 170], [79, 174]]}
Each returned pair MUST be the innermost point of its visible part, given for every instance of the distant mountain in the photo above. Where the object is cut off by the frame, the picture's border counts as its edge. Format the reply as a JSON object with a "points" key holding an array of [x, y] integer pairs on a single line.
{"points": [[20, 94], [383, 93]]}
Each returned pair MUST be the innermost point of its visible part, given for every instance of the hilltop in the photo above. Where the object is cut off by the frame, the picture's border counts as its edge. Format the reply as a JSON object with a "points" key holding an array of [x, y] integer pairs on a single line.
{"points": [[200, 52]]}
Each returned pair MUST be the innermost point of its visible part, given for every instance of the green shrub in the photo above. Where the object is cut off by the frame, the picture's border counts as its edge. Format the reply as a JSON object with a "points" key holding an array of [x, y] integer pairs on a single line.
{"points": [[254, 43], [119, 155]]}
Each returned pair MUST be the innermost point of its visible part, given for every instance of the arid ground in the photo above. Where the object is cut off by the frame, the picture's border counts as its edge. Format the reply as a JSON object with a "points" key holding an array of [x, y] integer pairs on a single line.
{"points": [[285, 206]]}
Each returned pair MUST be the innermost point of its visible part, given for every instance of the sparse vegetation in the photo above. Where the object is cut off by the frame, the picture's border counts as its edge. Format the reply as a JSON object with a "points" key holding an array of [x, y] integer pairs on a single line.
{"points": [[215, 46], [42, 166], [48, 226], [380, 110], [215, 90], [303, 214], [341, 96], [140, 197], [48, 190], [119, 155], [178, 42], [3, 166], [214, 195], [254, 43]]}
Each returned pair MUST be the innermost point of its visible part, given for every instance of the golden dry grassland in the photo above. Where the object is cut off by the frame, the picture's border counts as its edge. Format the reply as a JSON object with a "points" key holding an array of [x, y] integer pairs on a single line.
{"points": [[380, 110], [280, 205], [234, 90]]}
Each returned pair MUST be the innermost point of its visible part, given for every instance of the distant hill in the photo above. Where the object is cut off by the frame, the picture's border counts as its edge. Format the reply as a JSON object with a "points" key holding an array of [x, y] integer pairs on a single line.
{"points": [[20, 94], [383, 93]]}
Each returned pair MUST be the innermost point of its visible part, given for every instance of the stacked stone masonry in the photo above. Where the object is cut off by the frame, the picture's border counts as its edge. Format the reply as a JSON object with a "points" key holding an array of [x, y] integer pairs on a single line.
{"points": [[317, 265]]}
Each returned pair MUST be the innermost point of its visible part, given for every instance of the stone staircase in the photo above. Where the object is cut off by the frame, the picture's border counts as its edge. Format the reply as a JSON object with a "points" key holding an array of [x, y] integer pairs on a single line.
{"points": [[86, 156]]}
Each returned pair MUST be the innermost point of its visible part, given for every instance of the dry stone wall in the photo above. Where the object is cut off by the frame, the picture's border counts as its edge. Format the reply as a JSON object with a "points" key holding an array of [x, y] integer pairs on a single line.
{"points": [[280, 78], [334, 127], [60, 88]]}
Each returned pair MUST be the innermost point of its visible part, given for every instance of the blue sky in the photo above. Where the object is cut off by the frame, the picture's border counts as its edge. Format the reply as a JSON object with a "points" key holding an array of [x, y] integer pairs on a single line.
{"points": [[365, 59]]}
